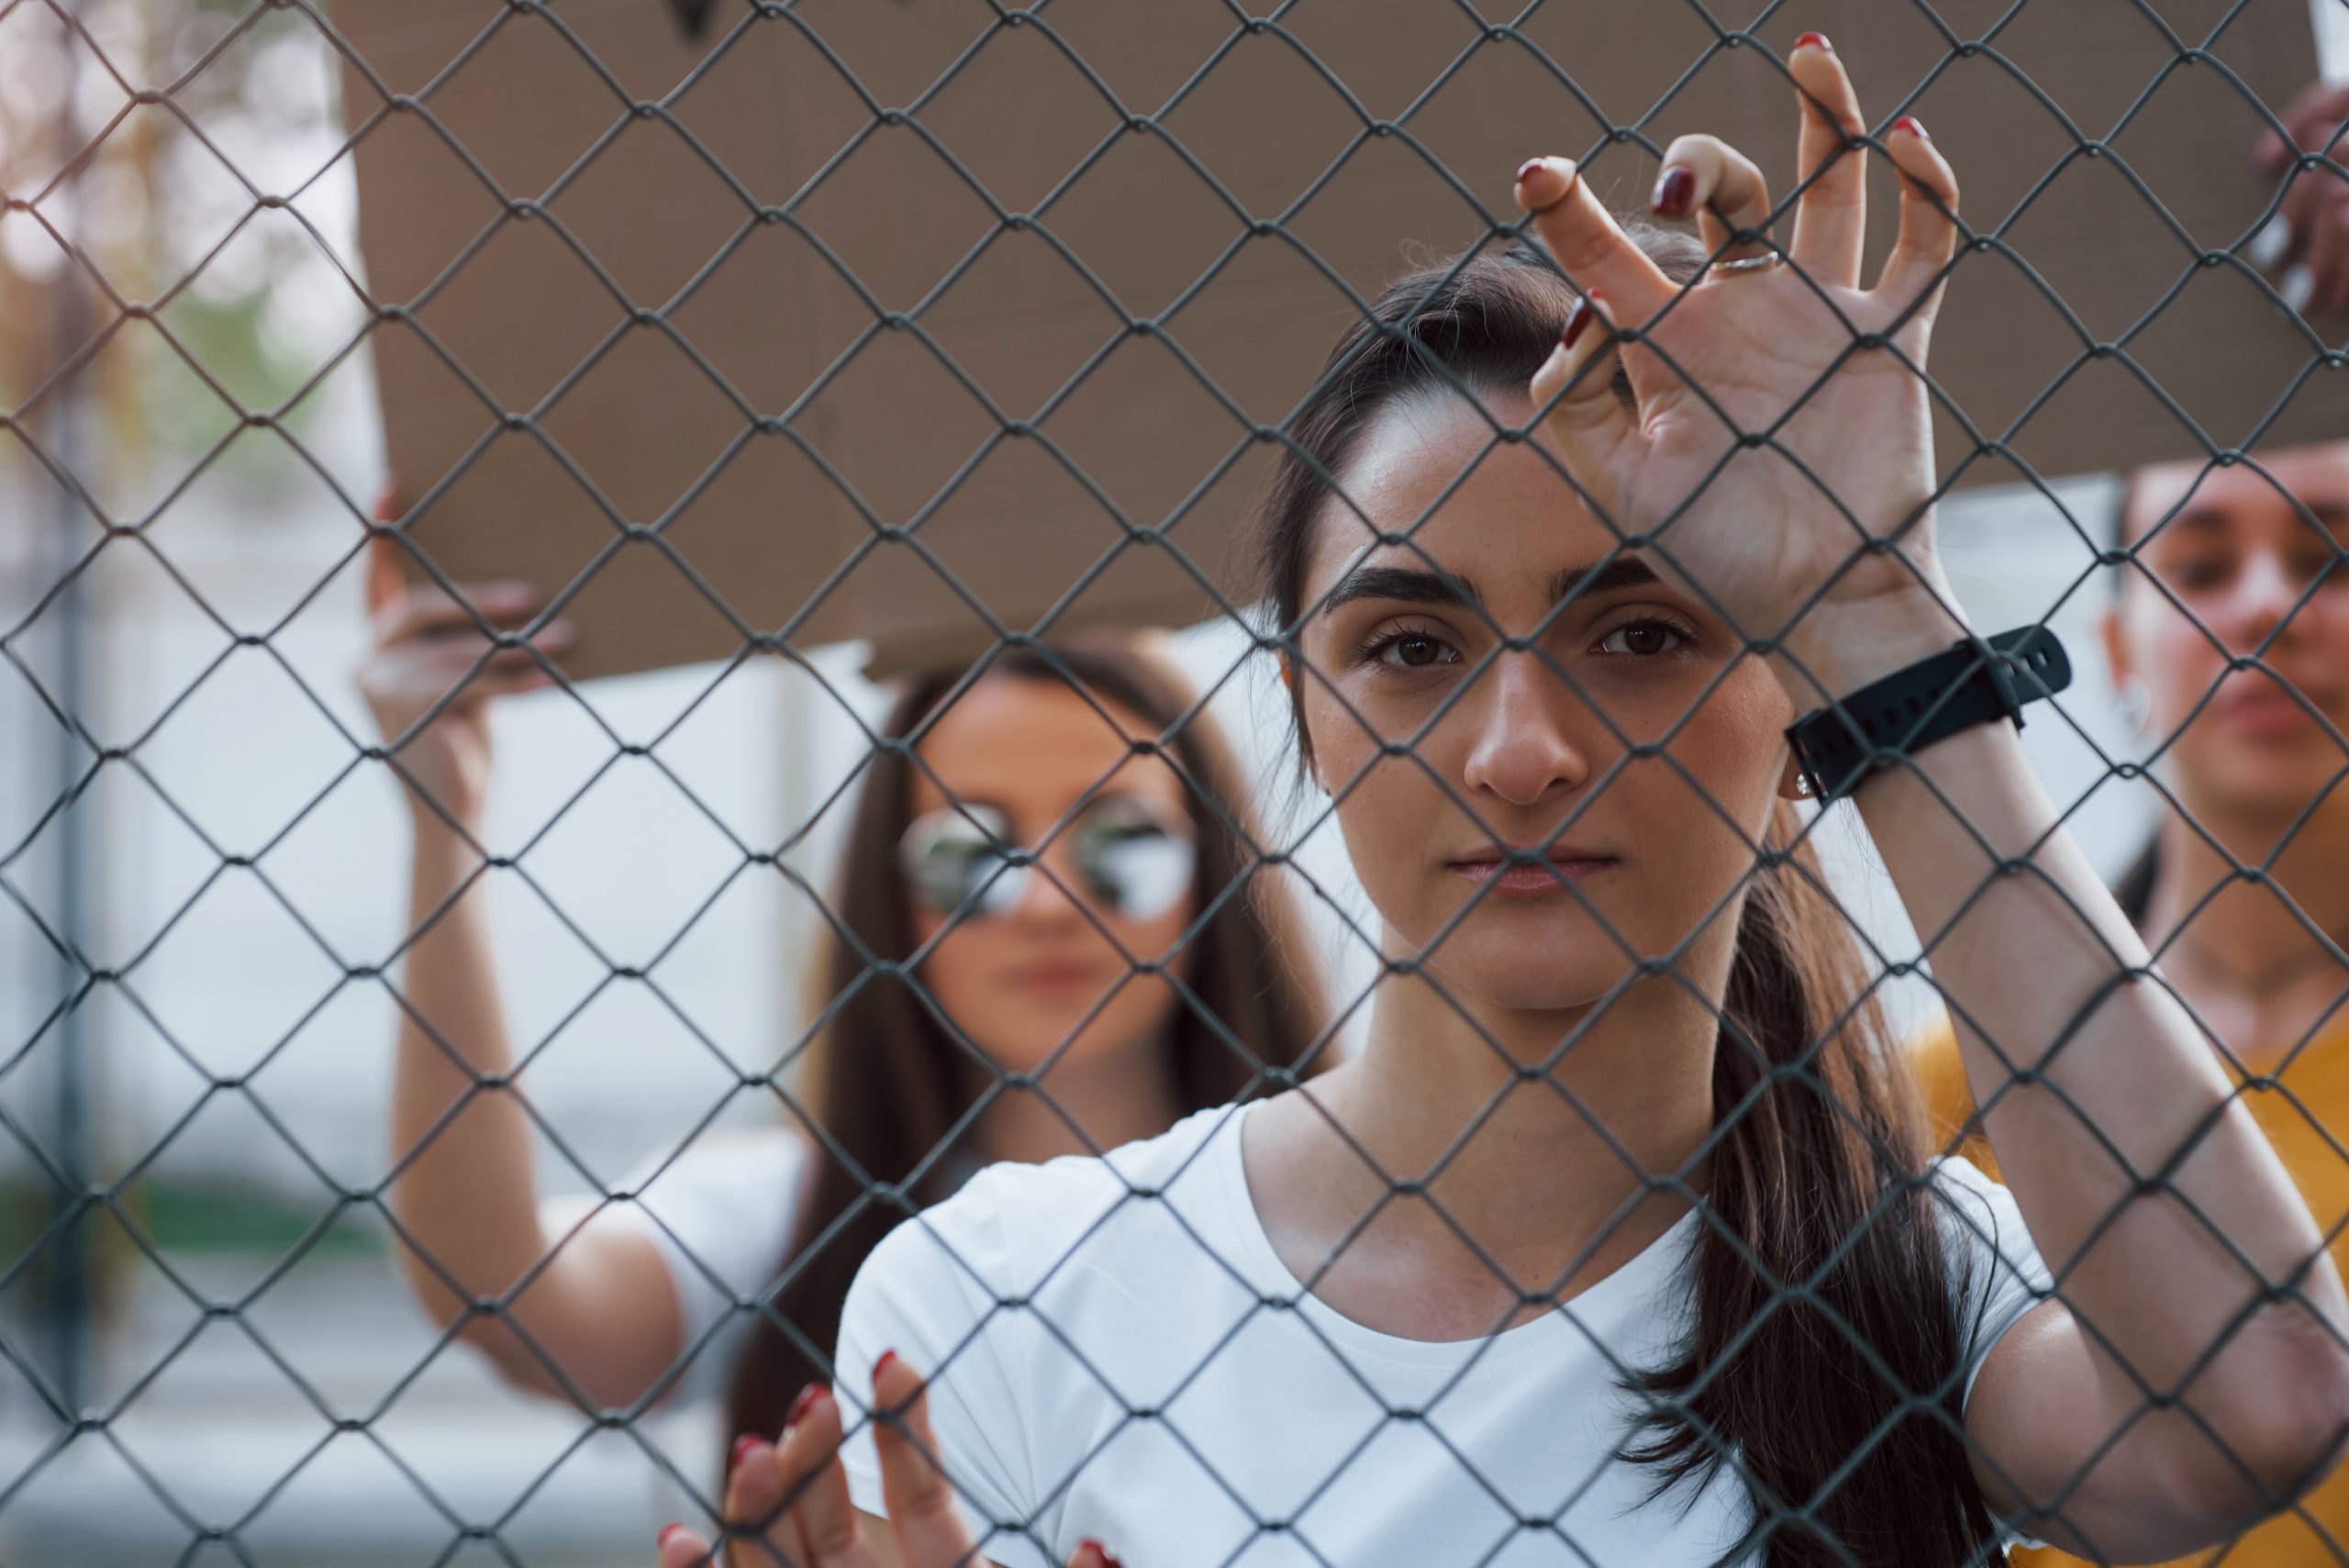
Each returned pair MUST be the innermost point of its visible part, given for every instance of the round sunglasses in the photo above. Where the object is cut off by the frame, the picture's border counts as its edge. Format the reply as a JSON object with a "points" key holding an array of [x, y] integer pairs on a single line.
{"points": [[1129, 860]]}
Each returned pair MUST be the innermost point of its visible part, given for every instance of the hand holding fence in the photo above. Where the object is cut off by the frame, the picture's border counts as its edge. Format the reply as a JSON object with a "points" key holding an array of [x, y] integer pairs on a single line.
{"points": [[2315, 209], [1780, 421], [791, 1498]]}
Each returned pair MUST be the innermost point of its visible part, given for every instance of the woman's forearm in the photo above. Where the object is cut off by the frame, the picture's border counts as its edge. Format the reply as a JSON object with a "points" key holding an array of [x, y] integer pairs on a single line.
{"points": [[2031, 955], [465, 1192]]}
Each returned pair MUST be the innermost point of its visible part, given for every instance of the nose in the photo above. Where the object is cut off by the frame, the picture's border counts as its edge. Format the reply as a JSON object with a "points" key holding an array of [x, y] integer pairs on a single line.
{"points": [[1522, 745], [2265, 594], [1047, 894]]}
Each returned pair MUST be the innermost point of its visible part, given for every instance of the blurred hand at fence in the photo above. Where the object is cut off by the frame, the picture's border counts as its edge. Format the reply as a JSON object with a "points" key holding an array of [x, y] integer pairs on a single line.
{"points": [[1774, 536], [2316, 200], [423, 646], [792, 1495]]}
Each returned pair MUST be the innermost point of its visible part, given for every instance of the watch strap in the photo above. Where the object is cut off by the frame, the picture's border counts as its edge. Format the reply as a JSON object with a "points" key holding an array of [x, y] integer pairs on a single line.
{"points": [[1839, 745]]}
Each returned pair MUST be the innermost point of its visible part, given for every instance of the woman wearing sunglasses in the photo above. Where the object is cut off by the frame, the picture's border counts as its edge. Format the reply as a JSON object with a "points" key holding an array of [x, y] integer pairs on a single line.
{"points": [[1615, 1244], [2239, 562], [1030, 830]]}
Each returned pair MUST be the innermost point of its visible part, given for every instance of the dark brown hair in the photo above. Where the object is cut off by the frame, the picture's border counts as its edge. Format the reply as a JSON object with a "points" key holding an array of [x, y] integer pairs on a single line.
{"points": [[891, 1090], [1825, 1238]]}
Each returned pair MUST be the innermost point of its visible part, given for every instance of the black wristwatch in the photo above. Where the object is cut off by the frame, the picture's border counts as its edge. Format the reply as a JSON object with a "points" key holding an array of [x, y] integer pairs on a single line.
{"points": [[1887, 719]]}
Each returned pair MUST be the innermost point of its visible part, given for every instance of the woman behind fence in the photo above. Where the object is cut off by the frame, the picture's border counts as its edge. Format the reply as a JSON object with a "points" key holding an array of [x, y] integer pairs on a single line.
{"points": [[1022, 970], [2230, 562], [1614, 1245]]}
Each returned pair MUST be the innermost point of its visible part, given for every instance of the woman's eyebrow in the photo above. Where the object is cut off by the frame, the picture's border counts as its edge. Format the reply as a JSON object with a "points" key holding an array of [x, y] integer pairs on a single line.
{"points": [[1623, 570], [1410, 585], [1417, 586]]}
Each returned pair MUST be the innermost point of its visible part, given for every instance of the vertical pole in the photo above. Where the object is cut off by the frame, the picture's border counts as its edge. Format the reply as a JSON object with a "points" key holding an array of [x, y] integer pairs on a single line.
{"points": [[66, 431]]}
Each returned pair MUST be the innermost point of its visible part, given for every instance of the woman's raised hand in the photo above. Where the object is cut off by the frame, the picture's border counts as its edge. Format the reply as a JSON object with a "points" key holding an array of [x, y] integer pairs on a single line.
{"points": [[793, 1497], [1776, 536], [421, 643], [2315, 209]]}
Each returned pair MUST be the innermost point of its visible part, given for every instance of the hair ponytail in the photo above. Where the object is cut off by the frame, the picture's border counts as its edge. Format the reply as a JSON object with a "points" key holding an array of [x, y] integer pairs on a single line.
{"points": [[1827, 1304]]}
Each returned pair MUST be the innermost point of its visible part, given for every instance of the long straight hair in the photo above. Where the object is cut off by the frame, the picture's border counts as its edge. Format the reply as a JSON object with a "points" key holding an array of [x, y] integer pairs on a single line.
{"points": [[889, 1087], [1826, 1240]]}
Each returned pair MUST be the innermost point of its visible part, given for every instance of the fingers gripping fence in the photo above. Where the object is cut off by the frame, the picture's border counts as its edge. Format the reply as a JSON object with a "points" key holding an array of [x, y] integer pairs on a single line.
{"points": [[70, 416]]}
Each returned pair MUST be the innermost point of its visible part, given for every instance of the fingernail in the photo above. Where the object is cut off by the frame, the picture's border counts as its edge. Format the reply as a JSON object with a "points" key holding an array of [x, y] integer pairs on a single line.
{"points": [[805, 1403], [2296, 286], [743, 1445], [1814, 40], [1909, 123], [2271, 244], [663, 1539], [882, 1365], [1675, 192], [1526, 169], [1577, 319], [1100, 1551]]}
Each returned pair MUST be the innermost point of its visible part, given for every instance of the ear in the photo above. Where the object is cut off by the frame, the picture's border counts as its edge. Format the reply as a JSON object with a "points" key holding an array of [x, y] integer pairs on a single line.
{"points": [[1793, 782], [2116, 646]]}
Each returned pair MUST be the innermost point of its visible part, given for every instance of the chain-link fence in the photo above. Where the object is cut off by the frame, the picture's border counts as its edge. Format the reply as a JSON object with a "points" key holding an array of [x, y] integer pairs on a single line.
{"points": [[1546, 1131]]}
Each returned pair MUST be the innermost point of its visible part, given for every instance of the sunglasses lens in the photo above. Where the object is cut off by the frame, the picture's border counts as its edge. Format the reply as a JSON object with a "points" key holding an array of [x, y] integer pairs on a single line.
{"points": [[1127, 860], [952, 860], [1130, 863]]}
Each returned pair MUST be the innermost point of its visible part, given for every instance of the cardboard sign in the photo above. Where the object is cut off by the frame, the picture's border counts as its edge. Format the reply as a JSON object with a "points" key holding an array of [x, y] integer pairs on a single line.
{"points": [[893, 321]]}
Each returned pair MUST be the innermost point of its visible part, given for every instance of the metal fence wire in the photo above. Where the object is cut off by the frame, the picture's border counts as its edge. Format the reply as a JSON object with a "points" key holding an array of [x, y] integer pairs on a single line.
{"points": [[49, 422]]}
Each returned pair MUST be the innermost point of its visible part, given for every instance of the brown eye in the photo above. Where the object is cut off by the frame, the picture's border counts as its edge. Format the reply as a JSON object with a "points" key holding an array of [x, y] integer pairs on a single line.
{"points": [[2197, 573], [1644, 639], [1412, 650]]}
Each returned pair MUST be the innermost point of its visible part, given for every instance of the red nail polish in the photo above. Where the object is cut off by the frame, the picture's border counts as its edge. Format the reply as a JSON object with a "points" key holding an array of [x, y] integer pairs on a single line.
{"points": [[1676, 192], [1909, 123], [1577, 319], [887, 1357], [743, 1445], [663, 1539], [805, 1403], [1100, 1551], [1526, 169], [1817, 40]]}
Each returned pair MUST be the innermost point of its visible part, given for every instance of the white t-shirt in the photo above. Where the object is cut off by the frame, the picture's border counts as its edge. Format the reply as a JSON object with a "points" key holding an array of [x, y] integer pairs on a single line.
{"points": [[720, 1214], [1168, 1384]]}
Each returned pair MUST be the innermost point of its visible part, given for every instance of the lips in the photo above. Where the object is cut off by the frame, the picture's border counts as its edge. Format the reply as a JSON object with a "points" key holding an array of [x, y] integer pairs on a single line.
{"points": [[2267, 708], [1049, 976], [1562, 864]]}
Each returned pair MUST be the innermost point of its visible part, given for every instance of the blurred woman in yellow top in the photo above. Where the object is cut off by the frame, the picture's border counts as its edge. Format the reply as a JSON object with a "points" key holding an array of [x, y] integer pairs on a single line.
{"points": [[2244, 892]]}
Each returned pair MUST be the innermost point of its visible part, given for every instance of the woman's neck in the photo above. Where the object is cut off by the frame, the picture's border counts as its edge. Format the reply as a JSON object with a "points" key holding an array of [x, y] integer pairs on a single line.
{"points": [[2245, 958], [1525, 1173]]}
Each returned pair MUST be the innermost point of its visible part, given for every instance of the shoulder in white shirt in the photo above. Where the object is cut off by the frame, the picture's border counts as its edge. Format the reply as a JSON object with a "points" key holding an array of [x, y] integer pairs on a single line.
{"points": [[1116, 1350]]}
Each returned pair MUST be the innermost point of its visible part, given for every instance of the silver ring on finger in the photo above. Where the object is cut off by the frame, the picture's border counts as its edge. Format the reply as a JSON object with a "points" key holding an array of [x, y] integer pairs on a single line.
{"points": [[1750, 265]]}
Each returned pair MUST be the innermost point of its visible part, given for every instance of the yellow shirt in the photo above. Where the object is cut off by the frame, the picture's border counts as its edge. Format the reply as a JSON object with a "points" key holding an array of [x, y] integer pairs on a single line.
{"points": [[2318, 1080]]}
